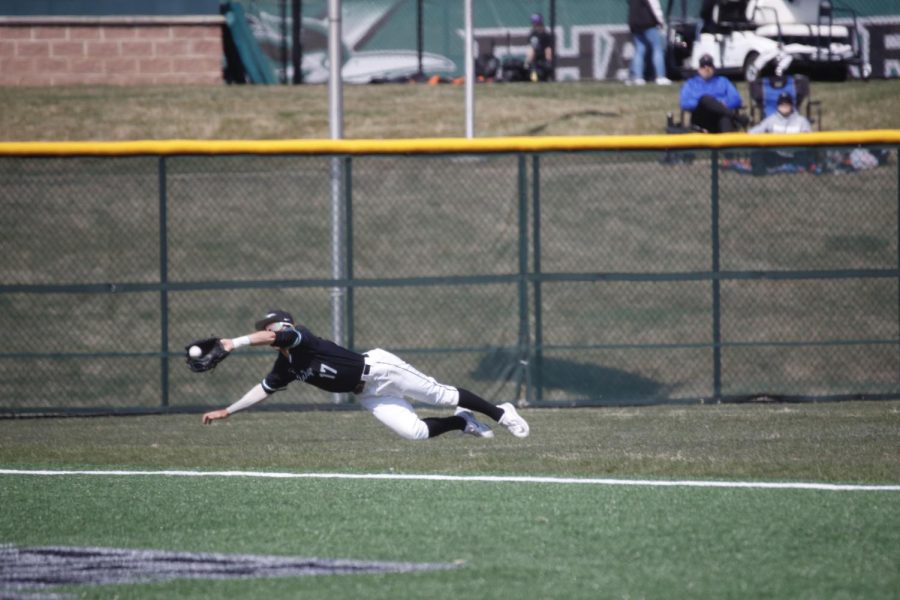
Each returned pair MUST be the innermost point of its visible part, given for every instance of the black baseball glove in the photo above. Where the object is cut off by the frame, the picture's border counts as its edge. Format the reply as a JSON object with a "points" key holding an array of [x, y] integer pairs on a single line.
{"points": [[212, 354]]}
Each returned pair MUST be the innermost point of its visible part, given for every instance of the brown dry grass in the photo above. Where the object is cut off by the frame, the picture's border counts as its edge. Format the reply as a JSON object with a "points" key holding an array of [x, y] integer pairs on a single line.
{"points": [[383, 111]]}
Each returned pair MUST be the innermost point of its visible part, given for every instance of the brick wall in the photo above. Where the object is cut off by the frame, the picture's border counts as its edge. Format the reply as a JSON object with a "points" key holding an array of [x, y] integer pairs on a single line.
{"points": [[110, 50]]}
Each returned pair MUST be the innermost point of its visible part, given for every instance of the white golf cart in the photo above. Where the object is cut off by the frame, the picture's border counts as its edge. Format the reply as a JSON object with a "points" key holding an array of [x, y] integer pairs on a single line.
{"points": [[750, 38]]}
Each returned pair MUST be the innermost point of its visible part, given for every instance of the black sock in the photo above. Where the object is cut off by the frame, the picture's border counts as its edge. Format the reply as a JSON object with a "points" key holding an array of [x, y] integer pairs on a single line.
{"points": [[472, 402], [438, 425]]}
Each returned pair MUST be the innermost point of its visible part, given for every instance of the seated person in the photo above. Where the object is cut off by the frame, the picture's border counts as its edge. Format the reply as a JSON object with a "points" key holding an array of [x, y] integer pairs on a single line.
{"points": [[785, 119], [713, 100], [539, 54]]}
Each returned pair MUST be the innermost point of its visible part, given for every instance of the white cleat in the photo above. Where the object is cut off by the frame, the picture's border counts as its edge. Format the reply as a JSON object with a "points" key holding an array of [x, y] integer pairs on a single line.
{"points": [[513, 421], [473, 425], [663, 81]]}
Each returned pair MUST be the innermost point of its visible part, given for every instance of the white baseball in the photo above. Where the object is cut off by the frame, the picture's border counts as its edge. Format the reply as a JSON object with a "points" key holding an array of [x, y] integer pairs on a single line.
{"points": [[195, 352]]}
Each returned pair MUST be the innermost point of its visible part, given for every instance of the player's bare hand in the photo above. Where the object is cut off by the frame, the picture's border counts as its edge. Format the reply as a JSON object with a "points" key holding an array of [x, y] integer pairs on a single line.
{"points": [[214, 415], [227, 344]]}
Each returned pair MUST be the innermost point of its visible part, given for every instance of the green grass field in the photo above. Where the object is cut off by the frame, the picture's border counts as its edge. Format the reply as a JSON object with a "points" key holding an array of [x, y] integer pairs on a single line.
{"points": [[507, 538]]}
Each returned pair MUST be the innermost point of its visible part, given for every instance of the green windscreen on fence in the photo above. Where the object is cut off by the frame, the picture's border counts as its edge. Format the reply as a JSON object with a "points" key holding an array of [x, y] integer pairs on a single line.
{"points": [[553, 278]]}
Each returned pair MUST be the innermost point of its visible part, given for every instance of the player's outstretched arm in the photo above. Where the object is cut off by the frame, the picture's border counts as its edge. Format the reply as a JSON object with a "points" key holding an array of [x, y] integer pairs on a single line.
{"points": [[257, 338], [255, 395]]}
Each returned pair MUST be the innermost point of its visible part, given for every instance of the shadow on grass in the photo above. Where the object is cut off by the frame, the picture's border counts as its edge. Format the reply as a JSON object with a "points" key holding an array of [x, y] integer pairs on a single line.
{"points": [[540, 128], [587, 383]]}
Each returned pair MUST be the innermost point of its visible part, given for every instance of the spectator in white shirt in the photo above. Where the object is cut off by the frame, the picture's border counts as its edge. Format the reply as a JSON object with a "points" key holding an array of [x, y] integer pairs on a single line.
{"points": [[785, 119]]}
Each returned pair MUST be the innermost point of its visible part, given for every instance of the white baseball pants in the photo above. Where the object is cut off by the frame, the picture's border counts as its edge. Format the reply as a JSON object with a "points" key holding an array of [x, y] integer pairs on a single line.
{"points": [[391, 383]]}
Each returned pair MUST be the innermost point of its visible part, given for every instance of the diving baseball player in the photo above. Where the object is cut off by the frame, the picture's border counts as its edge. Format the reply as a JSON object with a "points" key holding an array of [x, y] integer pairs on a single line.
{"points": [[382, 382]]}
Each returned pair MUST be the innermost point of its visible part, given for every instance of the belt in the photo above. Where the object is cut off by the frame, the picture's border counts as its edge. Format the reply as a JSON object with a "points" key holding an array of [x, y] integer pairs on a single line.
{"points": [[362, 382]]}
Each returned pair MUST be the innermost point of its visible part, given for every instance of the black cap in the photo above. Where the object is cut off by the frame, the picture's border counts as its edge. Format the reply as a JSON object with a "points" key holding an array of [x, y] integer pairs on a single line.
{"points": [[706, 61], [785, 98], [274, 316]]}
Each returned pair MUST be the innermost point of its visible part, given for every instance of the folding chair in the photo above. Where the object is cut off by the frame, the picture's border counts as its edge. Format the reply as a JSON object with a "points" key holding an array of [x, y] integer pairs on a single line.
{"points": [[764, 94], [684, 124]]}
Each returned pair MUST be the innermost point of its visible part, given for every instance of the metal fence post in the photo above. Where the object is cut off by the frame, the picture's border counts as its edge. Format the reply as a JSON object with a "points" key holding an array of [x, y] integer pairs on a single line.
{"points": [[296, 45], [163, 285], [537, 364], [716, 284], [524, 352], [348, 240], [284, 42]]}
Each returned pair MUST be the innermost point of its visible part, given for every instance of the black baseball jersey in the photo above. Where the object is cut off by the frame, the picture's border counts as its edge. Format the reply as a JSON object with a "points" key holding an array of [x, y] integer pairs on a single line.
{"points": [[540, 40], [313, 360]]}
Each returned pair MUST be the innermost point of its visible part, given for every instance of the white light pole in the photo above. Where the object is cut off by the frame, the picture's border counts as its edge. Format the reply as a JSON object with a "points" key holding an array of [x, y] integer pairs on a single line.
{"points": [[338, 213], [470, 71]]}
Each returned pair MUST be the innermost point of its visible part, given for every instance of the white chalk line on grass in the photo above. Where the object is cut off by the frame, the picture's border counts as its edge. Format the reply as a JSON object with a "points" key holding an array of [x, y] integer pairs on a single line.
{"points": [[764, 485]]}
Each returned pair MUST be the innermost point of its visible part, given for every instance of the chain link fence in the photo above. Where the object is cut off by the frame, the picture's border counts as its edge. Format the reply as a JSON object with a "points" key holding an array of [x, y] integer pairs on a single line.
{"points": [[553, 278]]}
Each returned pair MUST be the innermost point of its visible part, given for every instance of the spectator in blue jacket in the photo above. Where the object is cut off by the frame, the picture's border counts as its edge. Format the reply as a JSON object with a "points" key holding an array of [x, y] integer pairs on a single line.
{"points": [[713, 100]]}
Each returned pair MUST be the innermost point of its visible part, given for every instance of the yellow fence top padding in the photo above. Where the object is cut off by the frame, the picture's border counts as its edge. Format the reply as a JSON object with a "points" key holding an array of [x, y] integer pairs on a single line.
{"points": [[448, 145]]}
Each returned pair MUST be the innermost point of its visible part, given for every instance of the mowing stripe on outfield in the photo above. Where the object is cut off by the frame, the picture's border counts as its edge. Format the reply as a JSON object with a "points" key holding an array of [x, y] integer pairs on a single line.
{"points": [[786, 485]]}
